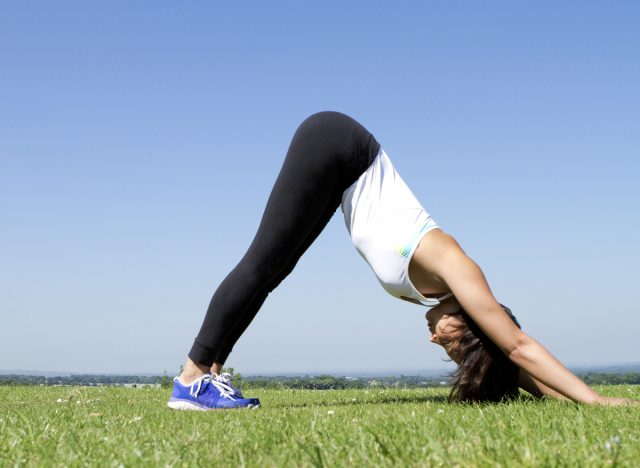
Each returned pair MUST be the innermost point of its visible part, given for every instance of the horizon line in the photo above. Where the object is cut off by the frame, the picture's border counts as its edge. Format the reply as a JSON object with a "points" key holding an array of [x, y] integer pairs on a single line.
{"points": [[292, 373]]}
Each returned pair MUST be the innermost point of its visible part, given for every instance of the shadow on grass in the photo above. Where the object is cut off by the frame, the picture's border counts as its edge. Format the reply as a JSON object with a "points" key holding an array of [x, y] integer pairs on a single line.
{"points": [[375, 400], [400, 399]]}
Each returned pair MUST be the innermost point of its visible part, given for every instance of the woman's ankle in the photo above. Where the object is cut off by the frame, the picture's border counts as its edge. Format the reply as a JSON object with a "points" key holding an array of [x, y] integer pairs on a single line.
{"points": [[192, 371]]}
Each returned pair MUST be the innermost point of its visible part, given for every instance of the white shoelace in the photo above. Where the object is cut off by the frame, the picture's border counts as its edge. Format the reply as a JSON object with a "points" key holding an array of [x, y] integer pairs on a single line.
{"points": [[225, 377], [223, 385]]}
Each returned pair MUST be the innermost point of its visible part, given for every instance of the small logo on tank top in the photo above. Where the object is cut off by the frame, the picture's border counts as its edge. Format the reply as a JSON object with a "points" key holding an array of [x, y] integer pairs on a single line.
{"points": [[405, 250]]}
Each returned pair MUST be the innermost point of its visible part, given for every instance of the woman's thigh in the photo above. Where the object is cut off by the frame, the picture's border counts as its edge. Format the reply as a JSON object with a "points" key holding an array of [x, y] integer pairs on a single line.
{"points": [[328, 153]]}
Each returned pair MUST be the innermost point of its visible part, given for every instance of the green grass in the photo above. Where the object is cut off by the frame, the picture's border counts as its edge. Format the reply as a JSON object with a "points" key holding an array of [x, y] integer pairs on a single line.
{"points": [[130, 427]]}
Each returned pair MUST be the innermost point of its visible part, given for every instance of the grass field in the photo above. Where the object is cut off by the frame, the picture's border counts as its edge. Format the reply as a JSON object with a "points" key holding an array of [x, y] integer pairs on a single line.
{"points": [[108, 426]]}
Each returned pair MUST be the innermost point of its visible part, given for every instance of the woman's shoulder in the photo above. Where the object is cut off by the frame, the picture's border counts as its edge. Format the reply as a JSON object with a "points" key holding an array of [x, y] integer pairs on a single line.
{"points": [[435, 248]]}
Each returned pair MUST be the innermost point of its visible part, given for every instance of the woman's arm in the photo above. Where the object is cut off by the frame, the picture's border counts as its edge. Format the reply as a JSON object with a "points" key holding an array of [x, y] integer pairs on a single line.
{"points": [[538, 389], [468, 284], [546, 374], [535, 387]]}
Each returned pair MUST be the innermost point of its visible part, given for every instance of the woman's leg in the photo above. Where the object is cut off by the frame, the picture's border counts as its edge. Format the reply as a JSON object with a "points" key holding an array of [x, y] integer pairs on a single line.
{"points": [[193, 370], [328, 153]]}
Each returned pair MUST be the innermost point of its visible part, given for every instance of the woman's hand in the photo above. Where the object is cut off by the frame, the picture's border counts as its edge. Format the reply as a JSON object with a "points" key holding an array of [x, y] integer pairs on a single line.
{"points": [[539, 390], [616, 401]]}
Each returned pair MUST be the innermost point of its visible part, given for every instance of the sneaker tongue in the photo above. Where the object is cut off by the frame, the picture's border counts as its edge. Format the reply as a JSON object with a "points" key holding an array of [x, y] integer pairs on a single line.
{"points": [[188, 384], [202, 381], [204, 377]]}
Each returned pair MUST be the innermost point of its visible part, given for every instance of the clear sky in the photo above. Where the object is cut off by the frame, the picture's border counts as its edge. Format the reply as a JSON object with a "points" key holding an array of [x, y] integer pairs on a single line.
{"points": [[140, 140]]}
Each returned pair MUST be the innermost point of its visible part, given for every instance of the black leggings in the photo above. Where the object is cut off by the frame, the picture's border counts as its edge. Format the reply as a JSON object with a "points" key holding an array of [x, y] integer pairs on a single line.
{"points": [[329, 151]]}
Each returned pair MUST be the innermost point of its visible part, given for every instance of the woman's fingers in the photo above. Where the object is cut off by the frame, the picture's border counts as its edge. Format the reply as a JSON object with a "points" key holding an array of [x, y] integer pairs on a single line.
{"points": [[616, 401]]}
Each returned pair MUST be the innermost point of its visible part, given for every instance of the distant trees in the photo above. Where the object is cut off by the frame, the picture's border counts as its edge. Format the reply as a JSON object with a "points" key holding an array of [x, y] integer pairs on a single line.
{"points": [[319, 382], [84, 379], [329, 382], [596, 378], [164, 381]]}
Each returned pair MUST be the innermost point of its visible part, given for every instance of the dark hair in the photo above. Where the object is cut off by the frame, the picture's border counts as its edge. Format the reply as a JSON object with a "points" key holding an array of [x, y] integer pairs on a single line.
{"points": [[484, 373]]}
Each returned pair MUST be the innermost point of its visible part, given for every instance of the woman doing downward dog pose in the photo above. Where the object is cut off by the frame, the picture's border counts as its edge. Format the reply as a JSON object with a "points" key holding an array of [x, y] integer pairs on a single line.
{"points": [[334, 161]]}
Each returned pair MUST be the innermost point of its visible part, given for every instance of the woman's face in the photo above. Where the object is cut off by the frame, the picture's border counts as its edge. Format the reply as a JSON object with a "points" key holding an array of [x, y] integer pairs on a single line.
{"points": [[444, 325]]}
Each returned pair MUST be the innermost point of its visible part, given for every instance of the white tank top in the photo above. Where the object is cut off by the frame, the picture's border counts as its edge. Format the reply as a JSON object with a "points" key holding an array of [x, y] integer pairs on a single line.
{"points": [[386, 223]]}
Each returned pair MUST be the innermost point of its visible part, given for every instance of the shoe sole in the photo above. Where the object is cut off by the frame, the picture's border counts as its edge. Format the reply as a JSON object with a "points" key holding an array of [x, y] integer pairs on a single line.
{"points": [[186, 406]]}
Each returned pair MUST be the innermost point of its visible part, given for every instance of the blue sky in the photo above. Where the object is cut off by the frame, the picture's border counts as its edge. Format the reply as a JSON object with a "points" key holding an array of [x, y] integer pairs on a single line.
{"points": [[139, 142]]}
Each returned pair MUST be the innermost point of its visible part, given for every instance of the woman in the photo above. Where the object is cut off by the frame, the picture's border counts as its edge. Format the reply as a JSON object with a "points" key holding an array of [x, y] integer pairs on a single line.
{"points": [[333, 161]]}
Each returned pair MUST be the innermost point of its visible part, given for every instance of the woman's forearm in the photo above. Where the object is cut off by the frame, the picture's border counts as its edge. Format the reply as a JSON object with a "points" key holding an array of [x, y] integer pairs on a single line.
{"points": [[540, 364], [537, 388]]}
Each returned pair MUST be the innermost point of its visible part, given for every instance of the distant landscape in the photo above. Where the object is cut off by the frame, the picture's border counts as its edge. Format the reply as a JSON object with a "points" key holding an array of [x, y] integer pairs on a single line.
{"points": [[628, 374]]}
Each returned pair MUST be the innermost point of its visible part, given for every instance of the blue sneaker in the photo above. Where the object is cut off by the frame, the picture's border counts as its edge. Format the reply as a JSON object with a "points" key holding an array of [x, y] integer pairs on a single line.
{"points": [[209, 393]]}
